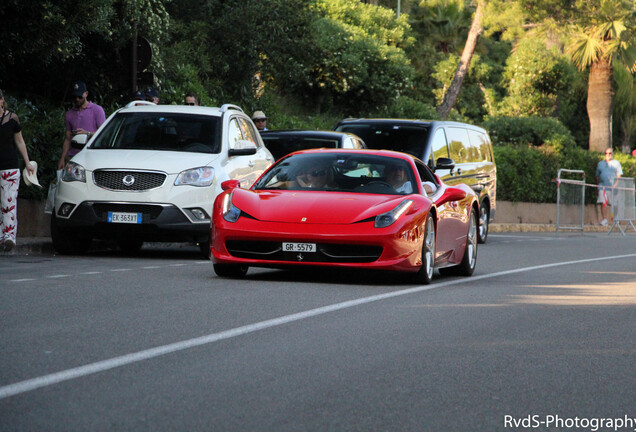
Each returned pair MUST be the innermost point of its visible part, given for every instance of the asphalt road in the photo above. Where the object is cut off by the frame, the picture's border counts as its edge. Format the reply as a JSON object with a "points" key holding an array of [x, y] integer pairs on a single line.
{"points": [[540, 338]]}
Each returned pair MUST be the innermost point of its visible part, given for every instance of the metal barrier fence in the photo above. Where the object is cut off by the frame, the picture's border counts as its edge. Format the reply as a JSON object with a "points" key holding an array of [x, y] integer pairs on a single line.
{"points": [[571, 201], [623, 204]]}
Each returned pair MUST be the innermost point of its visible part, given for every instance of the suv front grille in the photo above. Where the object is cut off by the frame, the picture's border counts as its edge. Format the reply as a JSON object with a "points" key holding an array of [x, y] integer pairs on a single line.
{"points": [[128, 180]]}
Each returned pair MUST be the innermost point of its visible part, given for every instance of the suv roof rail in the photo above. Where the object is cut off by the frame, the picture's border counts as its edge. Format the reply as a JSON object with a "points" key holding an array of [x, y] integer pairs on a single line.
{"points": [[226, 107], [139, 102]]}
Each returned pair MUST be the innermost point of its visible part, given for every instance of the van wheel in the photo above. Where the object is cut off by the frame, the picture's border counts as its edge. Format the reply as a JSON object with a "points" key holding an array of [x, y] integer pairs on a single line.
{"points": [[230, 270], [484, 220], [66, 242]]}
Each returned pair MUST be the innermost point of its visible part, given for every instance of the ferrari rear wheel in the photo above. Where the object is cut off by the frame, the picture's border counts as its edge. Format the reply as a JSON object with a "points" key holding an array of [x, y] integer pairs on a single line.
{"points": [[230, 270], [469, 260], [425, 274]]}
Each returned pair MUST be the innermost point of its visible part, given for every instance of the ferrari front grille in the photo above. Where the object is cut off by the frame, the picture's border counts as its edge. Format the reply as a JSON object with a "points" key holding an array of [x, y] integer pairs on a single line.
{"points": [[325, 252]]}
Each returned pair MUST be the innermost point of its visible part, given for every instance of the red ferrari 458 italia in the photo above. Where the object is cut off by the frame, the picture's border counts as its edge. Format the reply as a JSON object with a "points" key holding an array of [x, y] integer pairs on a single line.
{"points": [[346, 208]]}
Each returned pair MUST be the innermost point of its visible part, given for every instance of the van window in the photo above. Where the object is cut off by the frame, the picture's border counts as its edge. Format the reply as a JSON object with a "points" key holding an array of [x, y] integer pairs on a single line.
{"points": [[385, 136], [458, 144], [480, 139], [234, 133], [438, 146]]}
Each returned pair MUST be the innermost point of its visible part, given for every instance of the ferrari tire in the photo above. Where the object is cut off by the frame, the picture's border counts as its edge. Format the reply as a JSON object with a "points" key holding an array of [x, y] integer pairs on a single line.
{"points": [[484, 220], [469, 260], [67, 242], [230, 270], [425, 273]]}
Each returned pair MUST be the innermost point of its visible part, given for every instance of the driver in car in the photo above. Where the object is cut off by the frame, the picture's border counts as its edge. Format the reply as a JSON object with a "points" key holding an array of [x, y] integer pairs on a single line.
{"points": [[396, 176]]}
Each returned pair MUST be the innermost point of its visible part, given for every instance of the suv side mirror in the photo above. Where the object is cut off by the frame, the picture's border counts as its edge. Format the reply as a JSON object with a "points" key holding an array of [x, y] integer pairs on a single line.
{"points": [[243, 148], [444, 163], [79, 141]]}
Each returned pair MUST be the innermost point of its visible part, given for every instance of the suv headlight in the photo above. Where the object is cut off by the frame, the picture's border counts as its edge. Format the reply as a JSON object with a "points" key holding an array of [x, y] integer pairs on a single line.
{"points": [[386, 219], [202, 176], [74, 172]]}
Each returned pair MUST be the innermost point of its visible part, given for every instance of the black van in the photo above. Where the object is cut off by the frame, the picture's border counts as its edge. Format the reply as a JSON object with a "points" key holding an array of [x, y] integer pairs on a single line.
{"points": [[467, 145]]}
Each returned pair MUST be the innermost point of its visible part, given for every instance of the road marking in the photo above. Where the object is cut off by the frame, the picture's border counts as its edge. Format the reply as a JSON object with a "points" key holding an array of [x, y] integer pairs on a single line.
{"points": [[104, 365], [22, 280], [58, 276]]}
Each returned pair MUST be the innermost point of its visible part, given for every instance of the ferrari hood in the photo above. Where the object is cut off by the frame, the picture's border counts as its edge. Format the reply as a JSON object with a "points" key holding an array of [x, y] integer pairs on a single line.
{"points": [[312, 207], [155, 160]]}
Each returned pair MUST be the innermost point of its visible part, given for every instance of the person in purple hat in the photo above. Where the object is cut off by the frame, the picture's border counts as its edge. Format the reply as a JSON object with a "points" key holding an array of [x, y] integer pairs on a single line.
{"points": [[83, 118]]}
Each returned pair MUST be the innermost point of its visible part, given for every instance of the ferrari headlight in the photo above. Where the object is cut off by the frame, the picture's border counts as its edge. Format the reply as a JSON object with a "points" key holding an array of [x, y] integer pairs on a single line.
{"points": [[201, 176], [74, 172], [386, 219], [230, 212]]}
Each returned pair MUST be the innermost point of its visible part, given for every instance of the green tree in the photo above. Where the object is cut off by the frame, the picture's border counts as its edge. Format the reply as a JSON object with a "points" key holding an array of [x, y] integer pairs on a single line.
{"points": [[476, 29], [601, 38]]}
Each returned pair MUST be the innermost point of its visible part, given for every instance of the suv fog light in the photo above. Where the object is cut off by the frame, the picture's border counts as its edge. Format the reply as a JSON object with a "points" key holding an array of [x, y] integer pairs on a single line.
{"points": [[198, 213], [65, 209]]}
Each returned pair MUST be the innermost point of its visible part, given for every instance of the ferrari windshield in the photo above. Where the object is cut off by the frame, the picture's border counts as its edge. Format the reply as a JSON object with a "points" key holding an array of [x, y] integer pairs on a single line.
{"points": [[341, 172], [161, 131]]}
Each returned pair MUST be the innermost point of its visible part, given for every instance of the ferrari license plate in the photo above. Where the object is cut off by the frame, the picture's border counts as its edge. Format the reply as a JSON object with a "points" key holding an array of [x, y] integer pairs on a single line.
{"points": [[299, 247], [118, 217]]}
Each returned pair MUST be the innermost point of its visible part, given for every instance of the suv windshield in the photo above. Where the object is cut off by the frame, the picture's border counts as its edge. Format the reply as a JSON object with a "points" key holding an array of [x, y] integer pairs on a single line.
{"points": [[389, 136], [161, 131]]}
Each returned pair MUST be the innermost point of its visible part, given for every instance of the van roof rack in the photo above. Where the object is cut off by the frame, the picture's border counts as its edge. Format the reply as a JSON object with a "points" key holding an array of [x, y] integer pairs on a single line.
{"points": [[226, 107]]}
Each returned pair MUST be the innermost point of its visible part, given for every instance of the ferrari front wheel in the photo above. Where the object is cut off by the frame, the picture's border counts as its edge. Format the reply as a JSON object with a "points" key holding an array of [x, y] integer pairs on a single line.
{"points": [[230, 270], [425, 273]]}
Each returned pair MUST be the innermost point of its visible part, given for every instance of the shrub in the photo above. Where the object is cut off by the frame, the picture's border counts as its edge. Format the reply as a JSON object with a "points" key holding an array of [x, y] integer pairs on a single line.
{"points": [[527, 173], [43, 132], [535, 131]]}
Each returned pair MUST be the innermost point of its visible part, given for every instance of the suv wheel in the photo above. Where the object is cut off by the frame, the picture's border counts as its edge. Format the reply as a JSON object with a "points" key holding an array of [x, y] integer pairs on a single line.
{"points": [[67, 242]]}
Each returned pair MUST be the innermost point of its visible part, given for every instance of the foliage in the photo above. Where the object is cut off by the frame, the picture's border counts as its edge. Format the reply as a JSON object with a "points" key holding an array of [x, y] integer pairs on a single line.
{"points": [[442, 24], [624, 109], [406, 107], [358, 57], [535, 78], [43, 132], [528, 131], [50, 44], [527, 173]]}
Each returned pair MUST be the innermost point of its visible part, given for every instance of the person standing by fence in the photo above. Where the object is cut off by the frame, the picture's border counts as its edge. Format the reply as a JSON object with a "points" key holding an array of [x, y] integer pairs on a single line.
{"points": [[608, 171]]}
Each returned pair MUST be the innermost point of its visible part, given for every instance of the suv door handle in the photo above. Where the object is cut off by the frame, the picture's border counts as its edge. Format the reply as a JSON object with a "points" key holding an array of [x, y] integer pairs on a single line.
{"points": [[250, 163]]}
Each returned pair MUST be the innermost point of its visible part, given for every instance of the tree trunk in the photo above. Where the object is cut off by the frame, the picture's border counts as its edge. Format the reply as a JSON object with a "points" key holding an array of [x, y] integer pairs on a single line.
{"points": [[450, 97], [600, 101]]}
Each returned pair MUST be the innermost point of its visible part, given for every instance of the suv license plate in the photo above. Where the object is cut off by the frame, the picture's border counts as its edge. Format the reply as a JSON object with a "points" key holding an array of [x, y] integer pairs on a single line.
{"points": [[117, 217], [299, 247]]}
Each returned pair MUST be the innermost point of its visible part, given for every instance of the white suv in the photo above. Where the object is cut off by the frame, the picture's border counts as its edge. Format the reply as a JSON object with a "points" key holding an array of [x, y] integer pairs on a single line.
{"points": [[151, 173]]}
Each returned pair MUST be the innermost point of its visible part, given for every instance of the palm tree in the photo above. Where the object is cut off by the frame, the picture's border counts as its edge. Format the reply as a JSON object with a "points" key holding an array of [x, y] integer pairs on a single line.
{"points": [[476, 29], [597, 45]]}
